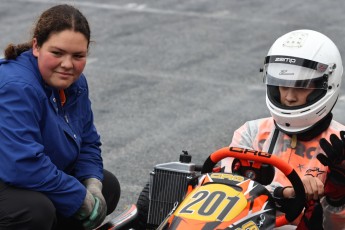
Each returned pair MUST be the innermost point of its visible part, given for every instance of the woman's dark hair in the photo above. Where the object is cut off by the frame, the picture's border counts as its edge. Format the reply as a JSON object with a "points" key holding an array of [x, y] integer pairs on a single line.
{"points": [[55, 19]]}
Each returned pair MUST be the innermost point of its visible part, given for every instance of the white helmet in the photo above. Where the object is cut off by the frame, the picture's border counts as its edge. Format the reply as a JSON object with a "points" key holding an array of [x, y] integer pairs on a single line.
{"points": [[307, 59]]}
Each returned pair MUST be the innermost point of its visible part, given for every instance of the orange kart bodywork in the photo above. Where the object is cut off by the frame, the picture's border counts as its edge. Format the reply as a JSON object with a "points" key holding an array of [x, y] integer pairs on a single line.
{"points": [[223, 200], [180, 197]]}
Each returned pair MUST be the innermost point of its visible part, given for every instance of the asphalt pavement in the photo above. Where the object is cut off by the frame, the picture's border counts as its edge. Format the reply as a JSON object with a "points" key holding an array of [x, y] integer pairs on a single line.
{"points": [[173, 75]]}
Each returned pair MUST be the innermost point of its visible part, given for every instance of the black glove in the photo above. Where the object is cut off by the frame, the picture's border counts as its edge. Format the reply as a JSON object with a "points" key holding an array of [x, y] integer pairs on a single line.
{"points": [[99, 210], [335, 152], [335, 160]]}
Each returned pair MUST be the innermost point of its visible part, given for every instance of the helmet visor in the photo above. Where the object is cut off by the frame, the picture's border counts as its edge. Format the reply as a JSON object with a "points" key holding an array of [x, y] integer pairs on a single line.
{"points": [[295, 72]]}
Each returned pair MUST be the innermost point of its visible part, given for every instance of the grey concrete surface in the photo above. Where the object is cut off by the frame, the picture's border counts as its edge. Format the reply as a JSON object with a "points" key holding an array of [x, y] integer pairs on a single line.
{"points": [[173, 75]]}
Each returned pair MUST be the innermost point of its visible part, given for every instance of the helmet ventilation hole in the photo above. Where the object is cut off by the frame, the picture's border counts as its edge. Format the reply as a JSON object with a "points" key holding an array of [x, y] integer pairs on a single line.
{"points": [[295, 40], [305, 111]]}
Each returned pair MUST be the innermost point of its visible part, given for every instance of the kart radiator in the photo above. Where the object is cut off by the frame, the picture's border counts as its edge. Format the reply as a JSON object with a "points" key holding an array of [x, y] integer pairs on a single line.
{"points": [[168, 185]]}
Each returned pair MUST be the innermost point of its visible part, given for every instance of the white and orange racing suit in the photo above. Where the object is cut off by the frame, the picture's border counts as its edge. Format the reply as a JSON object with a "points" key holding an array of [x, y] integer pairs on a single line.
{"points": [[258, 135]]}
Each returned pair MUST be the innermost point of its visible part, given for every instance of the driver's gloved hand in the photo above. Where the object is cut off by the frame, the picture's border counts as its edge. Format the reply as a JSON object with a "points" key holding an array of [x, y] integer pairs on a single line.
{"points": [[312, 214], [335, 160]]}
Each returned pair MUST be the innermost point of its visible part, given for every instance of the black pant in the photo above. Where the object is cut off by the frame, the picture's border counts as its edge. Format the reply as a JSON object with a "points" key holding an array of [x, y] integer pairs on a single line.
{"points": [[25, 209]]}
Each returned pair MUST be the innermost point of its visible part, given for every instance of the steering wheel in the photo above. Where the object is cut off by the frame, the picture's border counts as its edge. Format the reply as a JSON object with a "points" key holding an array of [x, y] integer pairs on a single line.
{"points": [[266, 158]]}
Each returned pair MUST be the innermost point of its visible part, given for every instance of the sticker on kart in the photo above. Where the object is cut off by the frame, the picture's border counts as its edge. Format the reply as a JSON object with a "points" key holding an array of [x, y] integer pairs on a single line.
{"points": [[212, 202]]}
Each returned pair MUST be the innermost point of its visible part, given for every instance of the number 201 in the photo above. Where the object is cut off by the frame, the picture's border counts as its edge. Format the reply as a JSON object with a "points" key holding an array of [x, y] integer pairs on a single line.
{"points": [[207, 198]]}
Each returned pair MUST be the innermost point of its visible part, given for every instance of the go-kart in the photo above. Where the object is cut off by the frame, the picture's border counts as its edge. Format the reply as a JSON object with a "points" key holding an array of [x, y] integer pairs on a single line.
{"points": [[181, 195]]}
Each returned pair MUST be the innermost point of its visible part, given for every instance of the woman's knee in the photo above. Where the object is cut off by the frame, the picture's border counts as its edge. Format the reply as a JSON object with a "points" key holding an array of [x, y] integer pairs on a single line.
{"points": [[43, 215], [27, 210]]}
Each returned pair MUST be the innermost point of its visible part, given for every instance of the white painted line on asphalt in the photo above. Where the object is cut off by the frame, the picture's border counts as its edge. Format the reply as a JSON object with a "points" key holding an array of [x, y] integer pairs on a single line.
{"points": [[127, 7], [134, 7]]}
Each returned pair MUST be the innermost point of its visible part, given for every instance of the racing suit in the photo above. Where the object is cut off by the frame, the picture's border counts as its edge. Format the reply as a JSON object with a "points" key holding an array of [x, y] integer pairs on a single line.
{"points": [[298, 150]]}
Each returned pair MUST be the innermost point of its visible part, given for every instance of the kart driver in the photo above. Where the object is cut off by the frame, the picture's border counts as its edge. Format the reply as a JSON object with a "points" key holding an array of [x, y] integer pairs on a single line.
{"points": [[302, 71]]}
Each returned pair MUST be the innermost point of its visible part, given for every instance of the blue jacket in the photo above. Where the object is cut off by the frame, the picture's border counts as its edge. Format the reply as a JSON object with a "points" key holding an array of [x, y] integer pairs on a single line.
{"points": [[43, 146]]}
